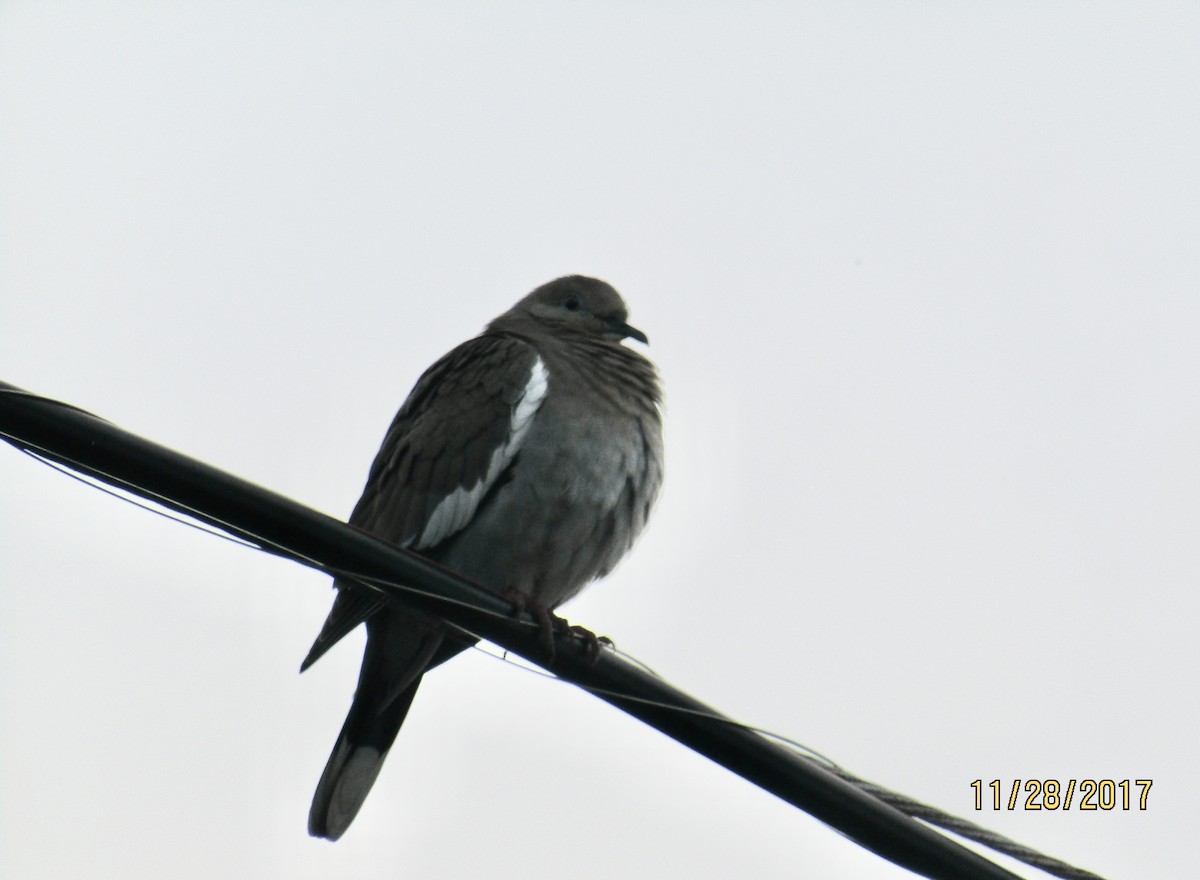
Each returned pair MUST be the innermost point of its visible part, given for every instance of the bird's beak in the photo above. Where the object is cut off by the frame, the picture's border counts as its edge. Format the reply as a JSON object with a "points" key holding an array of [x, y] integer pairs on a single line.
{"points": [[623, 331]]}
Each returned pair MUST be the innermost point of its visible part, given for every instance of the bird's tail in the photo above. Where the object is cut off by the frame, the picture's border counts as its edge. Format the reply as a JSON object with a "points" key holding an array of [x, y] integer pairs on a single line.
{"points": [[387, 684]]}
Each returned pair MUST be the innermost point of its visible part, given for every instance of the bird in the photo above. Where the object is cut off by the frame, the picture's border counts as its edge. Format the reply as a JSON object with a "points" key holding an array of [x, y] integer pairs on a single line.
{"points": [[528, 460]]}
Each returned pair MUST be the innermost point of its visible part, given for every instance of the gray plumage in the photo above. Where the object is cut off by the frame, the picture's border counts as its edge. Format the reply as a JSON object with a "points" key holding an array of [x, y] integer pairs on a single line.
{"points": [[526, 459]]}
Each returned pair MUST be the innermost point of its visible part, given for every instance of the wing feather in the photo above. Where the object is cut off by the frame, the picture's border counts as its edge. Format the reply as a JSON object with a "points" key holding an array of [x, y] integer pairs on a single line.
{"points": [[462, 425]]}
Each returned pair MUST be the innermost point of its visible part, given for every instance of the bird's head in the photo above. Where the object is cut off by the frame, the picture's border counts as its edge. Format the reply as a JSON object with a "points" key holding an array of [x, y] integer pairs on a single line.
{"points": [[576, 304]]}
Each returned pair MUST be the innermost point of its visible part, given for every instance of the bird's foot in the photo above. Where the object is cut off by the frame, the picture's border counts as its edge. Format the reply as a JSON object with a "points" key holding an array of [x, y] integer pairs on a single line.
{"points": [[592, 642], [550, 623], [541, 614]]}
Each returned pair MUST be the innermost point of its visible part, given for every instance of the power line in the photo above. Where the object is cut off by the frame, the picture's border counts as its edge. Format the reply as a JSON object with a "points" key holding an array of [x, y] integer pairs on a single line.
{"points": [[871, 816]]}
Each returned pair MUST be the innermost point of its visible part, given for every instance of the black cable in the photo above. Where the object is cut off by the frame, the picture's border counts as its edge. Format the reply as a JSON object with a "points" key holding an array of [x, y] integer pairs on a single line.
{"points": [[86, 443]]}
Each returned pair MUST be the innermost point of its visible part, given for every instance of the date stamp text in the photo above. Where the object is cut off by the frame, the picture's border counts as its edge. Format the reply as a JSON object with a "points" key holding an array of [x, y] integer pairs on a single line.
{"points": [[1052, 794]]}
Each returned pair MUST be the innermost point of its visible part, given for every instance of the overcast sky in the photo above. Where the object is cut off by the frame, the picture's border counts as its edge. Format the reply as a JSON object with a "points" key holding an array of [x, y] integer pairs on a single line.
{"points": [[923, 284]]}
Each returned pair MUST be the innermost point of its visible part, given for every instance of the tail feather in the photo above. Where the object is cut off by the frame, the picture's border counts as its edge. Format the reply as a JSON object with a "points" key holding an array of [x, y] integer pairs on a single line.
{"points": [[351, 607], [355, 763], [399, 648]]}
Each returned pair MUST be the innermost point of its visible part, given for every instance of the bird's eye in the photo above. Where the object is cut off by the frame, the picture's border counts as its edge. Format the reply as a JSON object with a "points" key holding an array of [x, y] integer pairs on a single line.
{"points": [[571, 303]]}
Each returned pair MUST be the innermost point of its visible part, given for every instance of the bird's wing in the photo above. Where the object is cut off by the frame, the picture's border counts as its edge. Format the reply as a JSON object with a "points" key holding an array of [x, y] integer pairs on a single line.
{"points": [[451, 442], [461, 426]]}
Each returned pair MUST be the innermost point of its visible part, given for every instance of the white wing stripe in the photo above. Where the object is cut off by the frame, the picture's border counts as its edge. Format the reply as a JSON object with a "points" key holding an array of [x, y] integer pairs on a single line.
{"points": [[456, 509]]}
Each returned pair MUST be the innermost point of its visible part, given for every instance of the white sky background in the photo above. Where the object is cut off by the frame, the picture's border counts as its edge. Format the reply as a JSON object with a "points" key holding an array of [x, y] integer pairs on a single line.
{"points": [[924, 287]]}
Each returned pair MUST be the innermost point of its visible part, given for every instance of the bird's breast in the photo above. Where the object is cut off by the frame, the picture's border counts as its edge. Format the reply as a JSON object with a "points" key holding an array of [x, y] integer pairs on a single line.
{"points": [[578, 494]]}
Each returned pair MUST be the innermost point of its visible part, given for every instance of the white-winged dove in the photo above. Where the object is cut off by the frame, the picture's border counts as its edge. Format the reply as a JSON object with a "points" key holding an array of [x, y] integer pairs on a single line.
{"points": [[526, 459]]}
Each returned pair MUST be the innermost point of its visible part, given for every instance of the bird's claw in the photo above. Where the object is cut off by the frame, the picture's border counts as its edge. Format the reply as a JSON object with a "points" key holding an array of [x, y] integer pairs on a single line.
{"points": [[594, 642], [550, 623]]}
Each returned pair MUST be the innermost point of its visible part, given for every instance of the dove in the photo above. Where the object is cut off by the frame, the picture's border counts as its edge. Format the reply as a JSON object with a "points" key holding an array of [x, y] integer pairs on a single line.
{"points": [[527, 459]]}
